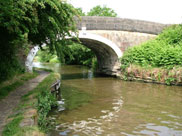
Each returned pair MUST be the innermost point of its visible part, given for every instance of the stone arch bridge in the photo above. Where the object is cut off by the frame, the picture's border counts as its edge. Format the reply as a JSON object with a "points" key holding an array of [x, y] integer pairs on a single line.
{"points": [[109, 37]]}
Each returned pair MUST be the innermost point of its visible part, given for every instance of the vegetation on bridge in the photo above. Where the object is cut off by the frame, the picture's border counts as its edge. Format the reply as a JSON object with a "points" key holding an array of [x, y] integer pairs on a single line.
{"points": [[164, 52]]}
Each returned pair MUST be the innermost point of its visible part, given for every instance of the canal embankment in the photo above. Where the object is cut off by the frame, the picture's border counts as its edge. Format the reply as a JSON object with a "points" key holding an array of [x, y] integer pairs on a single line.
{"points": [[152, 75]]}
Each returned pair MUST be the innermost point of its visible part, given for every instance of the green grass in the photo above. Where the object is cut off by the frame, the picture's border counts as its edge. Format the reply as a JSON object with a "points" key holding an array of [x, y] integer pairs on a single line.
{"points": [[13, 127], [10, 85]]}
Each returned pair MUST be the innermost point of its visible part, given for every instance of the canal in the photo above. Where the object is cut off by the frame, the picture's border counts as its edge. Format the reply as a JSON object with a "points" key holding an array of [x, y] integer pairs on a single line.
{"points": [[95, 105]]}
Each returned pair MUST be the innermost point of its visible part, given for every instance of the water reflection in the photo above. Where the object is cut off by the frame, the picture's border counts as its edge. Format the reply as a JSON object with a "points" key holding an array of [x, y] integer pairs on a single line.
{"points": [[55, 67], [118, 107], [91, 126]]}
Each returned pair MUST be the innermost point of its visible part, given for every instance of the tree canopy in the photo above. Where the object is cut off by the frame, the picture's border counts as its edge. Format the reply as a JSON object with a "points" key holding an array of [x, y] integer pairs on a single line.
{"points": [[102, 11], [80, 12], [34, 22]]}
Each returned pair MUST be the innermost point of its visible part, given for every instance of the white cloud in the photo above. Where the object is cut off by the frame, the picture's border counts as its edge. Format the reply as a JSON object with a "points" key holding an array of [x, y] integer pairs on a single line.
{"points": [[163, 11]]}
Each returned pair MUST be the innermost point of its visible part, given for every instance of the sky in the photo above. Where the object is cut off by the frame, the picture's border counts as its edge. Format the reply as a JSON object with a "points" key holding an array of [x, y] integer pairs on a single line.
{"points": [[161, 11]]}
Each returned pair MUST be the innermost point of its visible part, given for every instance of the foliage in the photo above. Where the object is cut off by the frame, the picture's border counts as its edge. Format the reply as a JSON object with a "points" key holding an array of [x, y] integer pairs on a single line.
{"points": [[164, 51], [29, 102], [172, 35], [25, 22], [10, 85], [155, 75], [80, 12], [54, 60], [73, 54], [76, 53], [13, 127], [102, 11], [94, 64], [10, 66], [45, 103], [169, 80], [46, 56], [79, 55], [37, 21]]}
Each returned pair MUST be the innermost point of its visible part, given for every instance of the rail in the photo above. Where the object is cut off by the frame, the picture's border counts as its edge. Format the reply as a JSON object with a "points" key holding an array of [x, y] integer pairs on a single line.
{"points": [[55, 89]]}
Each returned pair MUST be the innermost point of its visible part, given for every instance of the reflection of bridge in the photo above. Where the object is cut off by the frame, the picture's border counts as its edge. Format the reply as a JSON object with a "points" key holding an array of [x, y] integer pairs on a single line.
{"points": [[109, 37]]}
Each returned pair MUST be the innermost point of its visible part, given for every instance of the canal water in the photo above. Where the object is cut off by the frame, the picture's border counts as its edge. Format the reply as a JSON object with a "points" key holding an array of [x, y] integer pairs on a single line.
{"points": [[95, 105]]}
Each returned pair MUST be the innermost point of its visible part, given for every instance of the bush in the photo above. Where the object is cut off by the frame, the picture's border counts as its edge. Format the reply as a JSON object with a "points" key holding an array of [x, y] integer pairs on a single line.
{"points": [[46, 56], [165, 51], [54, 60], [171, 35], [79, 55]]}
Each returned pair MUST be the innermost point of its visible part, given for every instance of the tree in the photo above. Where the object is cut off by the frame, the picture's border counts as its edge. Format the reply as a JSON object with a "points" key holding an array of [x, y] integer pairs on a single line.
{"points": [[102, 11], [31, 21], [80, 12]]}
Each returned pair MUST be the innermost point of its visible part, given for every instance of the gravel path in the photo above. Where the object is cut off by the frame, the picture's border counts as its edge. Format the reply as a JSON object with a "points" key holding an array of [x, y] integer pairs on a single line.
{"points": [[13, 99]]}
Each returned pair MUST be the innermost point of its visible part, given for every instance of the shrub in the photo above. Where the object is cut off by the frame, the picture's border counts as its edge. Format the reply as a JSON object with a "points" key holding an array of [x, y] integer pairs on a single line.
{"points": [[79, 55], [165, 51]]}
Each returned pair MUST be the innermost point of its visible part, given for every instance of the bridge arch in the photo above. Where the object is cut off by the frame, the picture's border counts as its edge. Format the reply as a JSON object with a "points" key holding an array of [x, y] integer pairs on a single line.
{"points": [[106, 51]]}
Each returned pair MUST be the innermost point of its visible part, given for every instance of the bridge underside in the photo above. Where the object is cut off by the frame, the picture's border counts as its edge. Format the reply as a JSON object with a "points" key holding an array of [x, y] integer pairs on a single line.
{"points": [[107, 55]]}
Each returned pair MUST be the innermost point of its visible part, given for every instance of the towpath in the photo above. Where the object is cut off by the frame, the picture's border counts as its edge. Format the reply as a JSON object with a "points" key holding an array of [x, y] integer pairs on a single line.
{"points": [[12, 100]]}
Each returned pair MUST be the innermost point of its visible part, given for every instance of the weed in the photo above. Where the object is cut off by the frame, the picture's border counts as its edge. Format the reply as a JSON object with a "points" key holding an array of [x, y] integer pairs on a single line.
{"points": [[170, 80]]}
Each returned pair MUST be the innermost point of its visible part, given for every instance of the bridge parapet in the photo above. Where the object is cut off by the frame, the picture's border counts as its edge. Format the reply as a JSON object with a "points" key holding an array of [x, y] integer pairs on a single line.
{"points": [[119, 24]]}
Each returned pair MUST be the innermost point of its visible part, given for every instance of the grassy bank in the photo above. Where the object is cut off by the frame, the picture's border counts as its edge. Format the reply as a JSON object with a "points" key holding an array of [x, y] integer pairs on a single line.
{"points": [[7, 86], [161, 56], [30, 117], [153, 75]]}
